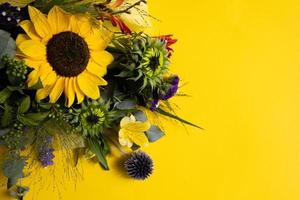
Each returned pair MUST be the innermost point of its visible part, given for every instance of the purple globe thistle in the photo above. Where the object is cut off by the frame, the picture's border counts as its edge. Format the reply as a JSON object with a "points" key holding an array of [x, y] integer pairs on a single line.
{"points": [[139, 166], [46, 152], [172, 89]]}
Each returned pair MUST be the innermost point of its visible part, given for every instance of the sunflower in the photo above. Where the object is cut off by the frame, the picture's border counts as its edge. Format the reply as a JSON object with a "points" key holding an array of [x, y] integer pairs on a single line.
{"points": [[66, 53]]}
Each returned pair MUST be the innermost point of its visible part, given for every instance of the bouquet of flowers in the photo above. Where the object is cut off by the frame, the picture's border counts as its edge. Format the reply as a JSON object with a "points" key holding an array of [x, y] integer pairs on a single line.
{"points": [[83, 75]]}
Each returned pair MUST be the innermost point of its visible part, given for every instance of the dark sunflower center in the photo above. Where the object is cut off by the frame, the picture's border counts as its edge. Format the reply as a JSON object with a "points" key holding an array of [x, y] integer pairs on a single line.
{"points": [[68, 54], [93, 119], [154, 63]]}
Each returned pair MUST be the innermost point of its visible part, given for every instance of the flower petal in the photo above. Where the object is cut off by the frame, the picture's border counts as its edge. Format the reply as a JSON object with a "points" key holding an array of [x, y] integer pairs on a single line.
{"points": [[137, 126], [33, 49], [35, 64], [21, 38], [96, 69], [43, 92], [50, 79], [57, 89], [124, 140], [98, 39], [78, 92], [29, 29], [58, 19], [33, 78], [88, 86], [40, 23], [102, 58], [71, 92], [127, 120], [138, 138], [81, 24]]}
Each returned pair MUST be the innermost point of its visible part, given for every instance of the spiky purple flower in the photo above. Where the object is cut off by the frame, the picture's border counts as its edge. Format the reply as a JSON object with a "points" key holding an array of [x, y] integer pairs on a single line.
{"points": [[172, 89], [46, 152], [139, 166]]}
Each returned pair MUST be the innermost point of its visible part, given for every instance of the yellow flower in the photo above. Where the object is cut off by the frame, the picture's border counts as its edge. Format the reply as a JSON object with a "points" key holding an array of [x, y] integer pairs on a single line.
{"points": [[66, 53], [132, 131]]}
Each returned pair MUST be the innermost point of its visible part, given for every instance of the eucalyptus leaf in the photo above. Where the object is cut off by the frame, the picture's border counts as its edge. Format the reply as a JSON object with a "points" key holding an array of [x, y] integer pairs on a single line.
{"points": [[13, 170], [24, 105], [7, 45], [127, 104], [140, 116], [154, 133]]}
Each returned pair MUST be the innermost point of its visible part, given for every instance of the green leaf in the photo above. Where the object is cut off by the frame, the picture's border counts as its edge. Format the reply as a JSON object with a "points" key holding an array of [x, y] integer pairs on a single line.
{"points": [[127, 104], [37, 116], [27, 121], [100, 152], [11, 182], [154, 133], [4, 95], [24, 105], [7, 116], [165, 113]]}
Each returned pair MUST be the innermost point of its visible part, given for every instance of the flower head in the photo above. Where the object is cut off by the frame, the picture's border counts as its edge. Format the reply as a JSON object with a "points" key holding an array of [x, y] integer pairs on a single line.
{"points": [[169, 42], [46, 151], [133, 132], [139, 166], [66, 53], [173, 88]]}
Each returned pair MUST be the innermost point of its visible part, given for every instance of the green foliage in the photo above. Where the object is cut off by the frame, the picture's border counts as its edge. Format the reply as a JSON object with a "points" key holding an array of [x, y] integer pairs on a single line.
{"points": [[13, 167], [7, 46], [100, 148], [73, 6]]}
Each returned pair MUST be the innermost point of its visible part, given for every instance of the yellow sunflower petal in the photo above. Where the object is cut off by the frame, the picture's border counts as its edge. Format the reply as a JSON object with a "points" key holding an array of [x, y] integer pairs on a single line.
{"points": [[96, 69], [102, 58], [87, 85], [35, 64], [59, 20], [40, 23], [78, 92], [33, 78], [71, 92], [57, 90], [50, 79], [21, 38], [28, 27], [33, 49], [44, 71], [43, 92], [98, 39], [81, 24]]}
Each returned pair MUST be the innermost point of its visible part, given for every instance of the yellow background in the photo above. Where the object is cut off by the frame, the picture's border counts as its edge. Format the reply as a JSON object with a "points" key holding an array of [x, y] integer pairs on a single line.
{"points": [[241, 62]]}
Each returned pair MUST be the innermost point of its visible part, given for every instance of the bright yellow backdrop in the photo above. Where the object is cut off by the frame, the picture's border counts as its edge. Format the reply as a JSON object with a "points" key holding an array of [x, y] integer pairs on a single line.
{"points": [[241, 60]]}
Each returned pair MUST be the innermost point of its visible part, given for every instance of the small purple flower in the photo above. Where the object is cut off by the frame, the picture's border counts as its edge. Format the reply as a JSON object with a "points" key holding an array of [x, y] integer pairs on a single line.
{"points": [[172, 89], [154, 104], [46, 152]]}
